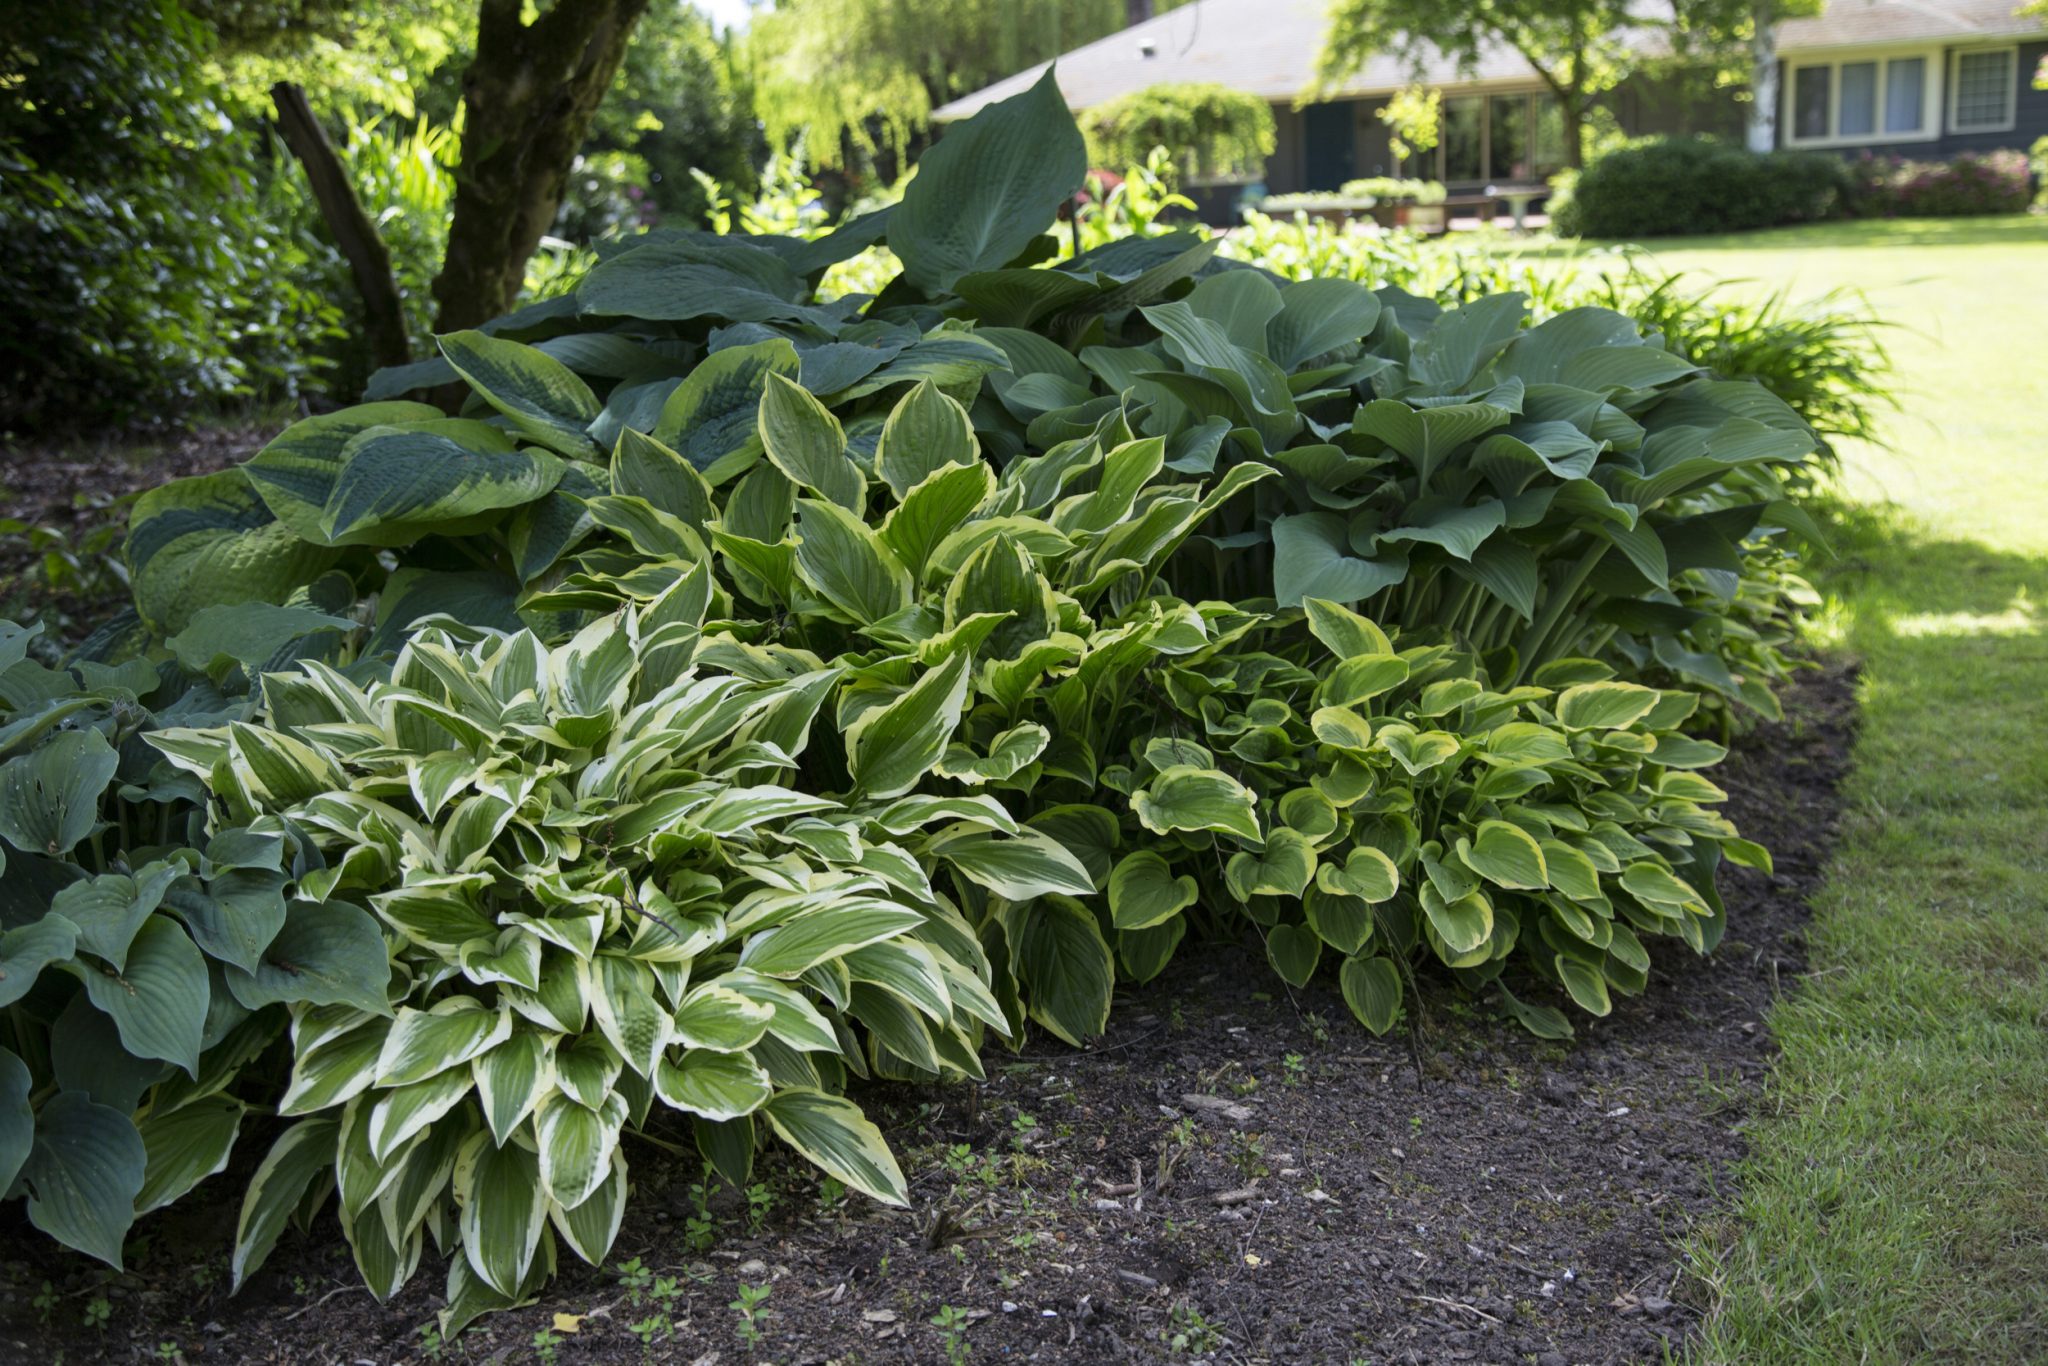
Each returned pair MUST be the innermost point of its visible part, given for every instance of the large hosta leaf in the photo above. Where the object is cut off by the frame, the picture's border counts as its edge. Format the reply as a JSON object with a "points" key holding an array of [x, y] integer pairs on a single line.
{"points": [[185, 1146], [1311, 560], [503, 1210], [833, 1134], [209, 540], [984, 191], [397, 484], [50, 797], [326, 953], [159, 998], [889, 748], [83, 1175], [17, 1118], [543, 397], [713, 418], [1059, 953]]}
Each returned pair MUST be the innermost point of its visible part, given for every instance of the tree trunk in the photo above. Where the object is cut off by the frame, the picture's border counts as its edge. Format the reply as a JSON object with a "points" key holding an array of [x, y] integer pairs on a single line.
{"points": [[528, 100], [1763, 80], [361, 245], [1572, 113]]}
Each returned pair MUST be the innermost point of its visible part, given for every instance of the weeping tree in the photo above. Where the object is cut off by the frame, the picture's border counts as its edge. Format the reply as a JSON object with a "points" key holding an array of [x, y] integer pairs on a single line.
{"points": [[1213, 131]]}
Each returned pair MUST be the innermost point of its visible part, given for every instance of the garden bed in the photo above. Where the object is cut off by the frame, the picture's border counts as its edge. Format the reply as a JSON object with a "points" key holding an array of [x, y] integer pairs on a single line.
{"points": [[1464, 1193]]}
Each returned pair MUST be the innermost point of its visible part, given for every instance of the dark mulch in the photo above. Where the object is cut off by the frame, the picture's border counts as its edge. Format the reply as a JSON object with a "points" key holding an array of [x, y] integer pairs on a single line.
{"points": [[72, 499], [1467, 1194]]}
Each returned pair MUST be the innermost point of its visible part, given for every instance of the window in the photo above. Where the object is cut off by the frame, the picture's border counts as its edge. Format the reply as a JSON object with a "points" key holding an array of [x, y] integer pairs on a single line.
{"points": [[1982, 91], [1463, 130], [1862, 99], [1507, 145]]}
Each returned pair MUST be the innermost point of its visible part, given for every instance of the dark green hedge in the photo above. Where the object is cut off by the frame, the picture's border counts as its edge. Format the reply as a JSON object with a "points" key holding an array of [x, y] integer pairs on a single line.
{"points": [[1659, 187]]}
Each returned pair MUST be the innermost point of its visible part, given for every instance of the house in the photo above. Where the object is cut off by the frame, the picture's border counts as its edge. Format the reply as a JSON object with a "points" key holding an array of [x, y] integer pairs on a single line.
{"points": [[1918, 78]]}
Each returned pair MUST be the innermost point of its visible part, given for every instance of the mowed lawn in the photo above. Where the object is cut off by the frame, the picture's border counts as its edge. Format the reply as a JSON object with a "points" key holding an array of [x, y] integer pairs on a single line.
{"points": [[1895, 1203]]}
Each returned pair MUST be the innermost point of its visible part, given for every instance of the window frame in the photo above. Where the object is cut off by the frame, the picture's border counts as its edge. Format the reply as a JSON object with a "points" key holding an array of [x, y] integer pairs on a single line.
{"points": [[1953, 76], [1933, 106]]}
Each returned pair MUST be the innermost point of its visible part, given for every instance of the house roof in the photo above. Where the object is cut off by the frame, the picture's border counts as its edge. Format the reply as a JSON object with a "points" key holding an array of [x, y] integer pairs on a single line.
{"points": [[1269, 48]]}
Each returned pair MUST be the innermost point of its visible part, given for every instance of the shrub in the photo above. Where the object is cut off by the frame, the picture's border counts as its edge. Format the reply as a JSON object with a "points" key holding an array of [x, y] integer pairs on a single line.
{"points": [[1659, 187], [1973, 183], [1213, 130], [2037, 158]]}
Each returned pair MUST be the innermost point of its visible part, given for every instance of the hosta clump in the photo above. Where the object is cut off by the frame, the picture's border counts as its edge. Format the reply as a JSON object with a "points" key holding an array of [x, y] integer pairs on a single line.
{"points": [[1384, 803], [603, 903], [142, 961]]}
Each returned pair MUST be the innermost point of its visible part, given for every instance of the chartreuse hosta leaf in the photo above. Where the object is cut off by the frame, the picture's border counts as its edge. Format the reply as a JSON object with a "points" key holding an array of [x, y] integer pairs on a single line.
{"points": [[594, 902]]}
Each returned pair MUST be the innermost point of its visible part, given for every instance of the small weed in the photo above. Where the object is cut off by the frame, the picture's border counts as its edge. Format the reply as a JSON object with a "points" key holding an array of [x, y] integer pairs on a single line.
{"points": [[1021, 1129], [547, 1345], [760, 1204], [169, 1350], [45, 1302], [952, 1321], [431, 1343], [634, 1279], [1295, 1067], [750, 1307], [831, 1194], [650, 1330], [1191, 1332], [1245, 1087], [98, 1310]]}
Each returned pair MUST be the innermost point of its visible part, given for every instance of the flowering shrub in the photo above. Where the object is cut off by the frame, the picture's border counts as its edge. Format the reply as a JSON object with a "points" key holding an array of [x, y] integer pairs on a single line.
{"points": [[1974, 183]]}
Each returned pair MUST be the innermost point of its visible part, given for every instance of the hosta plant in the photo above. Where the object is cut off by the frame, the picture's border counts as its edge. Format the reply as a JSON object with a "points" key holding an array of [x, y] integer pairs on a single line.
{"points": [[143, 960], [608, 898]]}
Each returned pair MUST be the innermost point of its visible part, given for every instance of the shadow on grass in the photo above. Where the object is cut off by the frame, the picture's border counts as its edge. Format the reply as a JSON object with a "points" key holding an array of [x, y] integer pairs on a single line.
{"points": [[2004, 230]]}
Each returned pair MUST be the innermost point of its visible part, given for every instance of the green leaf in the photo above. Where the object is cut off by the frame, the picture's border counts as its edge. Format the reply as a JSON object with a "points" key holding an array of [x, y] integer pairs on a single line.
{"points": [[397, 484], [1008, 754], [543, 397], [835, 1136], [1282, 868], [327, 953], [1344, 632], [83, 1175], [1585, 982], [246, 633], [158, 1000], [1604, 706], [1184, 797], [1294, 951], [1457, 527], [716, 1085], [1367, 873], [185, 1146], [1058, 954], [1020, 866], [1362, 678], [17, 1117], [890, 748], [1545, 1022], [1310, 560], [195, 543], [502, 1204], [805, 442], [698, 277], [1428, 436], [790, 949], [988, 188], [713, 418], [1372, 988], [1143, 892], [933, 509], [1505, 855], [50, 797], [1464, 923], [1344, 921], [926, 432], [277, 1190], [847, 564], [1317, 316], [234, 916], [110, 908]]}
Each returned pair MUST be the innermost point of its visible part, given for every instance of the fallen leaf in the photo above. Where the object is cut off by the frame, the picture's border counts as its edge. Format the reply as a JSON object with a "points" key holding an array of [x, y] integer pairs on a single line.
{"points": [[568, 1323]]}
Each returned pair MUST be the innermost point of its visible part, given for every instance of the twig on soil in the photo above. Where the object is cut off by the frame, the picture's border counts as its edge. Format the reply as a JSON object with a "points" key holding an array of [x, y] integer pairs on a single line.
{"points": [[1453, 1304], [309, 1308]]}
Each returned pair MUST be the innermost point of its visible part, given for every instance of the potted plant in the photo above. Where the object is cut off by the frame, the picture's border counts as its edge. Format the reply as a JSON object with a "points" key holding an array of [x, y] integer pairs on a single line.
{"points": [[1401, 203]]}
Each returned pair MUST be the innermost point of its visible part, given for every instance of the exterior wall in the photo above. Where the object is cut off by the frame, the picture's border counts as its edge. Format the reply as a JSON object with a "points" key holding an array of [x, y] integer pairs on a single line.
{"points": [[1676, 103], [2030, 116]]}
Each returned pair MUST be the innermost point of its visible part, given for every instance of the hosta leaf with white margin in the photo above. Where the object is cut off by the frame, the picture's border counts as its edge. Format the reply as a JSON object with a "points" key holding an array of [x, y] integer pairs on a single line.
{"points": [[1058, 953], [544, 398], [1007, 754], [934, 509], [1185, 797], [991, 185], [1372, 988], [503, 1210], [715, 1085], [1020, 866], [576, 1145], [1282, 867], [1505, 855], [848, 564], [185, 1146], [837, 1137], [803, 440], [891, 747]]}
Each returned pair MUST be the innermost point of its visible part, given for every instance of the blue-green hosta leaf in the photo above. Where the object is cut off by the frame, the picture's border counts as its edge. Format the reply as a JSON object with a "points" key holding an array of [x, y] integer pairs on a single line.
{"points": [[326, 953], [185, 1146], [988, 188], [235, 916], [1506, 568], [891, 747], [1613, 369], [195, 543], [1318, 316], [1372, 988], [110, 908], [1311, 559], [17, 1117], [248, 633], [698, 277], [83, 1175], [158, 1000], [1241, 302], [835, 1136], [1184, 797], [845, 562], [803, 440], [1462, 340], [1057, 951], [717, 1085], [543, 397], [1428, 436], [925, 433], [503, 1210]]}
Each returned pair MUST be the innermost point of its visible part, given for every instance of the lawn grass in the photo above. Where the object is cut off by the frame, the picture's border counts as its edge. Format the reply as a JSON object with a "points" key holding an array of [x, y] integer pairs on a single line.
{"points": [[1894, 1205]]}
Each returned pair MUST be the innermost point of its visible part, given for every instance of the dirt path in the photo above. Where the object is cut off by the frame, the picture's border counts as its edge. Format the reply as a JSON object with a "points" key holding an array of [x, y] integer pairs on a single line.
{"points": [[1236, 1173]]}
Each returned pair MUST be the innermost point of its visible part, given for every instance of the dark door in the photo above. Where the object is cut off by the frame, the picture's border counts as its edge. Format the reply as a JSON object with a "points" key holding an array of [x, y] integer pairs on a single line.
{"points": [[1329, 145]]}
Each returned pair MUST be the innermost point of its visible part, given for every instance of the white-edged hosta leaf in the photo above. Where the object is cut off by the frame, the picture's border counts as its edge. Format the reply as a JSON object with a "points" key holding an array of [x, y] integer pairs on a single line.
{"points": [[503, 1210], [185, 1146], [577, 1145], [423, 1042], [511, 1079], [1058, 952], [835, 1136], [803, 440], [300, 1154], [1019, 867], [891, 747], [714, 1085], [789, 949], [926, 432], [403, 1112], [1372, 988], [590, 1228], [1505, 855], [1144, 892], [623, 1001], [1184, 797], [846, 563], [725, 1021]]}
